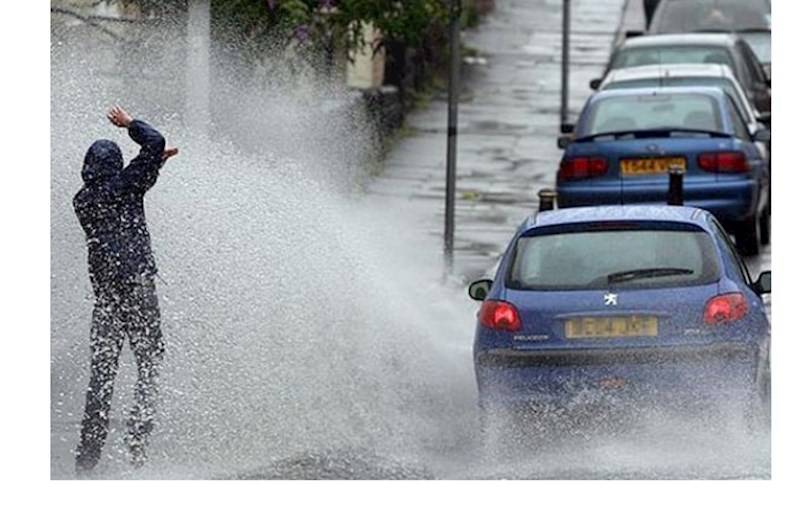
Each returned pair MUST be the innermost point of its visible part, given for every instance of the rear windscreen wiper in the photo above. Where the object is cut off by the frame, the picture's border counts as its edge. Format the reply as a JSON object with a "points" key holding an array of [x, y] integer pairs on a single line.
{"points": [[753, 30], [652, 132], [657, 272]]}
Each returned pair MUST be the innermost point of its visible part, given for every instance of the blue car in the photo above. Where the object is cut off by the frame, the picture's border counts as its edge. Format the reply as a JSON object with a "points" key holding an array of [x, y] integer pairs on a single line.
{"points": [[641, 301], [626, 142]]}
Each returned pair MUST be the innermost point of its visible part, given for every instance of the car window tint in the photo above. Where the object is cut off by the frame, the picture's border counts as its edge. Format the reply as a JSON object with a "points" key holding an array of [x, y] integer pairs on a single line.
{"points": [[672, 82], [729, 251], [687, 16], [752, 64], [626, 113], [739, 126], [648, 55], [761, 44], [583, 260]]}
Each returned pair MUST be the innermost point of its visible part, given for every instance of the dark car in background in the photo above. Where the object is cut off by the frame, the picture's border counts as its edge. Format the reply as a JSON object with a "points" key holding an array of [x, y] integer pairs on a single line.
{"points": [[697, 48], [626, 142], [752, 19]]}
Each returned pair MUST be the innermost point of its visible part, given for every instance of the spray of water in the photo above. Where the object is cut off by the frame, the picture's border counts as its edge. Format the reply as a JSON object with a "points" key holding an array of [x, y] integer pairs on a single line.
{"points": [[297, 316], [302, 319]]}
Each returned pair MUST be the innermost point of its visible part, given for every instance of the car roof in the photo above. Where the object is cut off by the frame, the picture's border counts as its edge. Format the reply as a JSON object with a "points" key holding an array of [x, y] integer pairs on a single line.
{"points": [[669, 70], [584, 214], [682, 39], [712, 91]]}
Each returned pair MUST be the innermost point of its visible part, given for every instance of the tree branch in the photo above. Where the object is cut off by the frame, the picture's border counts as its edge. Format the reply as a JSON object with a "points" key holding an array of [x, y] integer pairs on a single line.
{"points": [[92, 21]]}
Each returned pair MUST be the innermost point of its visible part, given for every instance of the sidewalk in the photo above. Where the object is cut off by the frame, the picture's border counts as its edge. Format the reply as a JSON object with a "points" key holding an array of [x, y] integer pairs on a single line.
{"points": [[508, 125]]}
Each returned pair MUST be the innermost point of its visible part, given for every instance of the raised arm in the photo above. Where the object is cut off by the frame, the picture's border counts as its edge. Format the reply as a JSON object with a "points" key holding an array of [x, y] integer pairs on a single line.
{"points": [[141, 173]]}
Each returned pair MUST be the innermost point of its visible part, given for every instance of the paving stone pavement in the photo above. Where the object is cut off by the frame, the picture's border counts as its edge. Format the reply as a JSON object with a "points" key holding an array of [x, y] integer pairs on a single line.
{"points": [[508, 124]]}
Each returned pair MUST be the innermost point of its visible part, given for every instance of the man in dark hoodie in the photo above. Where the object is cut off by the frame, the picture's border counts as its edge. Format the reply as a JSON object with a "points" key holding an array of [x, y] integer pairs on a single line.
{"points": [[110, 208]]}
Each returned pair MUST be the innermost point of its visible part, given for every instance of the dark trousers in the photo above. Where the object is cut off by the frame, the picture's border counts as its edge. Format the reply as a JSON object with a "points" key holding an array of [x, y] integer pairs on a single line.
{"points": [[128, 309]]}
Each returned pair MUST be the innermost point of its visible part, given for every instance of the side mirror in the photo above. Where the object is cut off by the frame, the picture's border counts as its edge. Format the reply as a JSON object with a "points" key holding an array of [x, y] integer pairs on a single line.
{"points": [[633, 33], [765, 118], [564, 141], [595, 84], [479, 290], [762, 135], [567, 127], [764, 283]]}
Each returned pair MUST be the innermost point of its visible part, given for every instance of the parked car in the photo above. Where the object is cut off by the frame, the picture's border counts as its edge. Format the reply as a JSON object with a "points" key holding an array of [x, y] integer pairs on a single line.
{"points": [[680, 75], [752, 19], [626, 142], [703, 48], [636, 300]]}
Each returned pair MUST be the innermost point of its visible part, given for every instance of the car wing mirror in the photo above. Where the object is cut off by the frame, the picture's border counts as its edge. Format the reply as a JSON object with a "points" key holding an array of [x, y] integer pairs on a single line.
{"points": [[595, 84], [567, 127], [479, 290], [564, 141], [762, 135], [633, 33], [764, 283]]}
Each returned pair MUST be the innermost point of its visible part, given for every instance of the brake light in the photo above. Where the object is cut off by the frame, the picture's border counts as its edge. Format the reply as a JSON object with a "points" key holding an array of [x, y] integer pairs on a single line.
{"points": [[723, 162], [578, 168], [726, 308], [500, 316]]}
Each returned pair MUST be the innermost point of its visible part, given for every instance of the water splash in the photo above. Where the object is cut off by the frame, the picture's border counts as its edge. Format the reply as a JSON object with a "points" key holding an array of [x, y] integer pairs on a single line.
{"points": [[307, 331]]}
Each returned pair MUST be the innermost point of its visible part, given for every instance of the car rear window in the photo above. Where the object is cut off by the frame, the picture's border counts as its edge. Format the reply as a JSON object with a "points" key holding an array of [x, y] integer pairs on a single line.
{"points": [[643, 112], [679, 82], [584, 260], [686, 16], [648, 55]]}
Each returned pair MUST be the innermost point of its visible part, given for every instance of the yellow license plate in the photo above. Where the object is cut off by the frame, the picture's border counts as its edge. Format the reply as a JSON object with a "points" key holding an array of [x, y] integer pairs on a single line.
{"points": [[612, 327], [654, 166]]}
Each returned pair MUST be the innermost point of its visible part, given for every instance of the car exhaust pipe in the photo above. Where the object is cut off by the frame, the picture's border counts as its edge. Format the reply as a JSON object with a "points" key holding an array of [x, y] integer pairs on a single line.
{"points": [[547, 199], [675, 193]]}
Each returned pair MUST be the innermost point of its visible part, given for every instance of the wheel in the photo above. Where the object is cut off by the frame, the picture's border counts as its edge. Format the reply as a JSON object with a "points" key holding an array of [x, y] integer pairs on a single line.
{"points": [[758, 409], [493, 424], [764, 225], [747, 237]]}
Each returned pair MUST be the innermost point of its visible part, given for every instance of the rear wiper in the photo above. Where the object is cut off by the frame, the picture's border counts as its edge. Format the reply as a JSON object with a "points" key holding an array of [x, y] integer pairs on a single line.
{"points": [[657, 272], [651, 132], [753, 30]]}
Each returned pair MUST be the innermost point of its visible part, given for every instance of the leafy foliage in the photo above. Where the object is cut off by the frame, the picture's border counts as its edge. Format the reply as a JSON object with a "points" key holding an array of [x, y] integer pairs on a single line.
{"points": [[322, 21]]}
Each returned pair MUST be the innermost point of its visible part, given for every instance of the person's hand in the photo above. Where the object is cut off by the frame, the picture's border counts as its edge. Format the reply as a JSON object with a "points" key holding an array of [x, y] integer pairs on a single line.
{"points": [[169, 152], [120, 117]]}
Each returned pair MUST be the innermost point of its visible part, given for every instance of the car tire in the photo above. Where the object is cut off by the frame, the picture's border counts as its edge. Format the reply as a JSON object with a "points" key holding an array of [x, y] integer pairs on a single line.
{"points": [[492, 428], [747, 237], [764, 225]]}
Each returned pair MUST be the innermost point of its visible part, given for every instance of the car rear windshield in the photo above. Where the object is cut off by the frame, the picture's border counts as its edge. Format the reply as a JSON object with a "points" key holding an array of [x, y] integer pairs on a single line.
{"points": [[678, 82], [642, 112], [584, 260], [687, 16], [671, 54]]}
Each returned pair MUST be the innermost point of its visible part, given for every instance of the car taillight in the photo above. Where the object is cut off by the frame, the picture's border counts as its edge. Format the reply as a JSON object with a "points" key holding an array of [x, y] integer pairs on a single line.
{"points": [[723, 162], [582, 168], [500, 316], [726, 308]]}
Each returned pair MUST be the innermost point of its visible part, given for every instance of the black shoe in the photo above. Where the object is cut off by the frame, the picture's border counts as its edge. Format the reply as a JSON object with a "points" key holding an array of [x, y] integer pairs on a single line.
{"points": [[84, 464], [137, 453]]}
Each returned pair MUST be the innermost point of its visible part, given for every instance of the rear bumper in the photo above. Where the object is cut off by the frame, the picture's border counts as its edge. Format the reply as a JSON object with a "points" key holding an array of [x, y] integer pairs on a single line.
{"points": [[511, 376], [730, 201]]}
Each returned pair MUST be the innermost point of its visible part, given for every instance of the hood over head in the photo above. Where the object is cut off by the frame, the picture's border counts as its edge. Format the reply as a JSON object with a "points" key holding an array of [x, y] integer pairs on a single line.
{"points": [[102, 160]]}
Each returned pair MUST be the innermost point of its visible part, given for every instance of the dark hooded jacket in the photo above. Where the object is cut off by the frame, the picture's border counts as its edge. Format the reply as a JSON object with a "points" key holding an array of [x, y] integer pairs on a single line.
{"points": [[110, 207]]}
